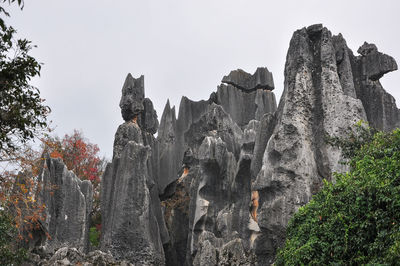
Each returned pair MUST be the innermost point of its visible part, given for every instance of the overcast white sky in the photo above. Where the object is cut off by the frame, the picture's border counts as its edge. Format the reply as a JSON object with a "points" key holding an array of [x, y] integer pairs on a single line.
{"points": [[182, 47]]}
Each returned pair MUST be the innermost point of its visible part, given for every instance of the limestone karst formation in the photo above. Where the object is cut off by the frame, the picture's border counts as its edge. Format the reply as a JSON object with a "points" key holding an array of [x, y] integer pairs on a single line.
{"points": [[220, 181], [231, 170]]}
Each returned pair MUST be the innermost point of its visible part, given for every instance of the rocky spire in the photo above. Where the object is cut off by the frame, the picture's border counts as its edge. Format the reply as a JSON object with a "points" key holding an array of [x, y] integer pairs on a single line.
{"points": [[133, 226], [131, 103]]}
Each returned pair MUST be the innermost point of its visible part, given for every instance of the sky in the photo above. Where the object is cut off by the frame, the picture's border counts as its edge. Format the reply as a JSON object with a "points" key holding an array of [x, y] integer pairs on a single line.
{"points": [[182, 47]]}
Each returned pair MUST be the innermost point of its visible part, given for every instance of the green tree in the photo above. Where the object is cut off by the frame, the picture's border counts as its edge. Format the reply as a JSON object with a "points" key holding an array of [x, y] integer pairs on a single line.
{"points": [[355, 221], [22, 112], [22, 115]]}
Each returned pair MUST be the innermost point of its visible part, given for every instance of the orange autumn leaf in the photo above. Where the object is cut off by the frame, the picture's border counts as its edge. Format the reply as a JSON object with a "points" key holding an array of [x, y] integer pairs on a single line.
{"points": [[56, 154]]}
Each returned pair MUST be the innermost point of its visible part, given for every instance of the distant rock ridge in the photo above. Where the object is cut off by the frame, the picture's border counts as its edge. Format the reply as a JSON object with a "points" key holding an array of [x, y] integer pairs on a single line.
{"points": [[222, 179]]}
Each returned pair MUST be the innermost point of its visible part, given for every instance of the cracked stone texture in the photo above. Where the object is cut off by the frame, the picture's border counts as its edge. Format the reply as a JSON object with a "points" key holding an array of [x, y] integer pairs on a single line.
{"points": [[217, 152], [68, 202], [368, 68], [133, 226], [261, 79], [131, 103], [243, 105], [296, 157]]}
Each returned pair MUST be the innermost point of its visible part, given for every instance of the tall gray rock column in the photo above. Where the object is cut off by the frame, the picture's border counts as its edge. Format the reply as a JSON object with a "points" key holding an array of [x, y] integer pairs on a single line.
{"points": [[133, 226], [315, 102]]}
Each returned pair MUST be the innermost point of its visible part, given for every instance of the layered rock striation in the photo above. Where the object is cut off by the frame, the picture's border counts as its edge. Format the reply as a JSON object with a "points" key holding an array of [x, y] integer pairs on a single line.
{"points": [[68, 202], [216, 179], [133, 226]]}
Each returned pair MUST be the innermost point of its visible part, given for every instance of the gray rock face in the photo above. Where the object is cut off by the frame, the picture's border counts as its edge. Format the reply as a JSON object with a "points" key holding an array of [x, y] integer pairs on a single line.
{"points": [[148, 121], [245, 106], [171, 140], [131, 230], [247, 97], [131, 103], [68, 203], [368, 68], [322, 87], [261, 79], [133, 226], [375, 63], [220, 185], [212, 156], [263, 134], [128, 131]]}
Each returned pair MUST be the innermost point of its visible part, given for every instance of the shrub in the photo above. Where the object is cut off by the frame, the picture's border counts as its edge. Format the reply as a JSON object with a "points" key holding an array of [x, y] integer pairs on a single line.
{"points": [[10, 254], [357, 219], [94, 236]]}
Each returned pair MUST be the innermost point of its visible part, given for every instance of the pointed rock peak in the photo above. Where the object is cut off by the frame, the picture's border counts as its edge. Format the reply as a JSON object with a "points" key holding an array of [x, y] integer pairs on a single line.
{"points": [[132, 82], [168, 112], [131, 103], [261, 79], [167, 108], [314, 30]]}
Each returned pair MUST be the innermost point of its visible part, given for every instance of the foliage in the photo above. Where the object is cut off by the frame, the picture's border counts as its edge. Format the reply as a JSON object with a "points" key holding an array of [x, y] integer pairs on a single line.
{"points": [[22, 112], [356, 138], [94, 236], [9, 254], [78, 154], [22, 117], [356, 220], [19, 208]]}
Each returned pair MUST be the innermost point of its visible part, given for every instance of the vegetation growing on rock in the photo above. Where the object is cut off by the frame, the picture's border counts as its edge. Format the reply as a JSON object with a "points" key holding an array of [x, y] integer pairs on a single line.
{"points": [[355, 220]]}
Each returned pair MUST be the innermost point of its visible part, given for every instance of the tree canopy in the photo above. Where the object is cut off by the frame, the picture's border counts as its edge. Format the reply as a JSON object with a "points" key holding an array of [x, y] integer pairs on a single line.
{"points": [[22, 111]]}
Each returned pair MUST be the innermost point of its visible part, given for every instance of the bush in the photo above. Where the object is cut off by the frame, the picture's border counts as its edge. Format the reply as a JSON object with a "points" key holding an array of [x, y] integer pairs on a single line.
{"points": [[94, 236], [357, 220], [10, 254]]}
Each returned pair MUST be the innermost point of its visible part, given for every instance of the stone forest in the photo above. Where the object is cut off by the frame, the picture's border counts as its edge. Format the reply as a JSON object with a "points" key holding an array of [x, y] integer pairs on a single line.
{"points": [[218, 182]]}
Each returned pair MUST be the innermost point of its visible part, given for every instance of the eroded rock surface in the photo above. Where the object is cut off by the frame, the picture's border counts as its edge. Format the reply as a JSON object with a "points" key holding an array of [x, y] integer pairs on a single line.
{"points": [[232, 170], [261, 79], [68, 202], [246, 97], [133, 226]]}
